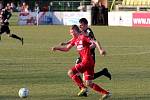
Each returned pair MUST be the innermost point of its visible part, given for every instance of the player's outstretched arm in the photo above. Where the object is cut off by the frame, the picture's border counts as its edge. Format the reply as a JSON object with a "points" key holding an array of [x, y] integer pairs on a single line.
{"points": [[64, 49], [100, 49], [65, 43]]}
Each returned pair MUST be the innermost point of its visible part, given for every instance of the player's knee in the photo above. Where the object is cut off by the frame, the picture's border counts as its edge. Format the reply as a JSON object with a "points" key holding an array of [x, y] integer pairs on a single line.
{"points": [[70, 73], [88, 83]]}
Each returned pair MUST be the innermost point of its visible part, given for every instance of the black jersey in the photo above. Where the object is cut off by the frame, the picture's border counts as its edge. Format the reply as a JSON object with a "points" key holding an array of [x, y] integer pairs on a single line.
{"points": [[5, 15], [90, 34]]}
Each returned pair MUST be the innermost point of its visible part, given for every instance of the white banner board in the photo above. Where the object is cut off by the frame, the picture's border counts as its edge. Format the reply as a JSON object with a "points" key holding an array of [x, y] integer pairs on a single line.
{"points": [[120, 18], [31, 18], [61, 18], [70, 18]]}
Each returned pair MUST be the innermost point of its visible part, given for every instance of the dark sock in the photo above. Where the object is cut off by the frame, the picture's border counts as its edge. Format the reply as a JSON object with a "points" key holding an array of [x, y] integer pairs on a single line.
{"points": [[15, 36], [103, 72], [98, 74]]}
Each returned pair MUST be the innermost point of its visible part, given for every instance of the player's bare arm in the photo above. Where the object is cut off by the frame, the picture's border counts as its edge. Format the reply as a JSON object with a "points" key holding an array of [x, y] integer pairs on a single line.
{"points": [[100, 49], [64, 49], [65, 43]]}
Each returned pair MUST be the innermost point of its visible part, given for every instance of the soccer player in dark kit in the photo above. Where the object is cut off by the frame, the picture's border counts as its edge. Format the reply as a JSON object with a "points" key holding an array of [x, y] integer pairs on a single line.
{"points": [[5, 15]]}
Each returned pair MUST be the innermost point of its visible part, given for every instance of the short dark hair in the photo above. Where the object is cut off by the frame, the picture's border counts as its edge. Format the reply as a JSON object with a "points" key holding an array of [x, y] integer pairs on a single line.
{"points": [[83, 20], [76, 28]]}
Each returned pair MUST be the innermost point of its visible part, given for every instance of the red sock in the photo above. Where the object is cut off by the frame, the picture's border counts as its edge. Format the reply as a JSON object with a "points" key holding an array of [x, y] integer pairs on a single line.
{"points": [[98, 88], [76, 79]]}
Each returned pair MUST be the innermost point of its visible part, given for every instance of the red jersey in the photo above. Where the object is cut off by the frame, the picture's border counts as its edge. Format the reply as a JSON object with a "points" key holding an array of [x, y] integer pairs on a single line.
{"points": [[82, 44]]}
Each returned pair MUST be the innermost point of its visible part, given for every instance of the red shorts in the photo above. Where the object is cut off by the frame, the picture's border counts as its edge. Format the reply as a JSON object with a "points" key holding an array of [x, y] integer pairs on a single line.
{"points": [[86, 68]]}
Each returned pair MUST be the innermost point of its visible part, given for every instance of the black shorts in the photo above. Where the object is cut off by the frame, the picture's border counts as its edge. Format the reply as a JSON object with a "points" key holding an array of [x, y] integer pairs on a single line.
{"points": [[4, 28], [78, 60]]}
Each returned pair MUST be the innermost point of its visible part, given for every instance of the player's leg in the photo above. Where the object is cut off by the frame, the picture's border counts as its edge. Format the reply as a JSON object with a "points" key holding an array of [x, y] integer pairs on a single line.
{"points": [[105, 94], [96, 75], [89, 75], [78, 60], [2, 30], [13, 35], [72, 73], [96, 87], [102, 72]]}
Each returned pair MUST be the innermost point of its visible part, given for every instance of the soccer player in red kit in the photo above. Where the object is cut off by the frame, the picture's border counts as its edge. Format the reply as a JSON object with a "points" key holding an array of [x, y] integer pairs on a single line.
{"points": [[84, 29], [86, 66], [88, 32]]}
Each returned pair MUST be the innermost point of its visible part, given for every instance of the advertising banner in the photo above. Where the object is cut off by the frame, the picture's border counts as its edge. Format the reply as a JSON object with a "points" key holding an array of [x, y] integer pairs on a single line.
{"points": [[134, 19], [70, 18], [141, 19], [31, 18], [57, 18]]}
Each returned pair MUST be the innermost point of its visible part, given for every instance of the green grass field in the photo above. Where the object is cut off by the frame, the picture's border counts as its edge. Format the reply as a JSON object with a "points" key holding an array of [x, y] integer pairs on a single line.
{"points": [[44, 72]]}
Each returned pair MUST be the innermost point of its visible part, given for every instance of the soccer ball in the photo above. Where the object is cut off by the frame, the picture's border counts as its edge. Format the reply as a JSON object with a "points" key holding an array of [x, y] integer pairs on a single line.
{"points": [[23, 92]]}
